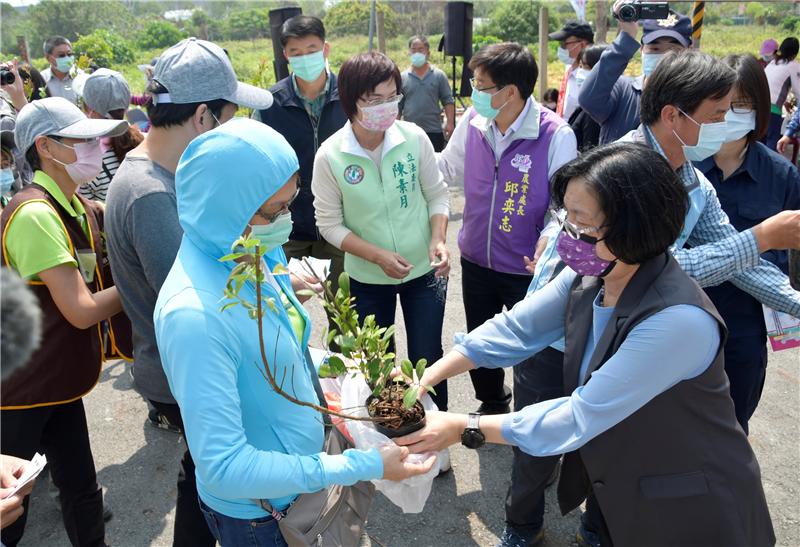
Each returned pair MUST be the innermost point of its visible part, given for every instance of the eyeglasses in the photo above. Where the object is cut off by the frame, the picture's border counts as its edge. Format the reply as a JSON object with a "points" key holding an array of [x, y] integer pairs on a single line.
{"points": [[474, 85], [742, 107], [572, 230], [565, 44], [378, 102], [270, 217], [64, 54]]}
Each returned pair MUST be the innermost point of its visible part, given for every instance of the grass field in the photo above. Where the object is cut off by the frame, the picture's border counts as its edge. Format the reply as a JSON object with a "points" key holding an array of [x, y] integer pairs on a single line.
{"points": [[248, 56]]}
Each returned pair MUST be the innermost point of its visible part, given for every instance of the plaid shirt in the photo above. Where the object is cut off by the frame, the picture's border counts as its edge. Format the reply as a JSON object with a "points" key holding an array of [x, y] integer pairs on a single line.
{"points": [[712, 251], [314, 108]]}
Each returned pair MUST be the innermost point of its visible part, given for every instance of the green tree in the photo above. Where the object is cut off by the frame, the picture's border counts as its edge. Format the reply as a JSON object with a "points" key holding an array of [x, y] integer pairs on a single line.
{"points": [[104, 47], [10, 22], [200, 24], [250, 24], [756, 11], [159, 34], [71, 19], [352, 17], [515, 21]]}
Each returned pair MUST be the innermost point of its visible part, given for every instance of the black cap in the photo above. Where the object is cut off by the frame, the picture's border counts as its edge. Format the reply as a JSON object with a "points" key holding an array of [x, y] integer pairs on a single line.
{"points": [[573, 28], [676, 26]]}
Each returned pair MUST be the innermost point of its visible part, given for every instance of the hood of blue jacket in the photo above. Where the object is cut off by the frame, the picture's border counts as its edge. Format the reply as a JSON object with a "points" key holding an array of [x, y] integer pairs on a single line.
{"points": [[224, 176]]}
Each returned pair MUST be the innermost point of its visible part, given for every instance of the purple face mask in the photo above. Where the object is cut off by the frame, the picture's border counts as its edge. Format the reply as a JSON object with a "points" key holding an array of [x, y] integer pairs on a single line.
{"points": [[581, 256]]}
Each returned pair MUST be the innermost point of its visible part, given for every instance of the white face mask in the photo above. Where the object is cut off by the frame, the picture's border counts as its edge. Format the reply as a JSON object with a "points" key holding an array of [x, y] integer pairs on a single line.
{"points": [[739, 124], [563, 56]]}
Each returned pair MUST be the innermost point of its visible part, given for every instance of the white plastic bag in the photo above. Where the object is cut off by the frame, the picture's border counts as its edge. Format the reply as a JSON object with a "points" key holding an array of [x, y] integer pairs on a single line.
{"points": [[409, 495]]}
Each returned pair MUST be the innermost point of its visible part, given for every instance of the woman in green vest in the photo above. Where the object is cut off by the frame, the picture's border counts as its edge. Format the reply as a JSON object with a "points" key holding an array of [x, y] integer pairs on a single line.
{"points": [[379, 197]]}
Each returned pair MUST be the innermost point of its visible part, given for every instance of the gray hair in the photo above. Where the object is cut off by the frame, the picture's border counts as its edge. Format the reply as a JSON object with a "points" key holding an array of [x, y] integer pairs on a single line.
{"points": [[52, 43]]}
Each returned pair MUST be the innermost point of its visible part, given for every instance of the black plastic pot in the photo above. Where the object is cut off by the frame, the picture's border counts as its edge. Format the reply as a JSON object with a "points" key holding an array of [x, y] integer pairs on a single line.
{"points": [[405, 430]]}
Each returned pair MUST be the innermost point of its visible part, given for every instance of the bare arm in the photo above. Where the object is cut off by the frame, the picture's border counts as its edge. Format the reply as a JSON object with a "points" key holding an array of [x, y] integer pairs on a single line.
{"points": [[78, 305]]}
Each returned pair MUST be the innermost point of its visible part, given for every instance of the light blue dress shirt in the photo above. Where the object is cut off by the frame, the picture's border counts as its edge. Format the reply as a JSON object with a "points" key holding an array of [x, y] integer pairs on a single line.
{"points": [[675, 344]]}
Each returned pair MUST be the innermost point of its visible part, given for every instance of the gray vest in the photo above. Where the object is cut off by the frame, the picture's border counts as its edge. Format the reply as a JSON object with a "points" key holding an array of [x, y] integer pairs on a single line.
{"points": [[679, 471]]}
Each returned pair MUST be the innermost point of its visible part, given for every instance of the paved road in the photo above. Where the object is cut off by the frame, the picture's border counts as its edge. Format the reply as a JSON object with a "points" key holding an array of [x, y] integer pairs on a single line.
{"points": [[138, 464]]}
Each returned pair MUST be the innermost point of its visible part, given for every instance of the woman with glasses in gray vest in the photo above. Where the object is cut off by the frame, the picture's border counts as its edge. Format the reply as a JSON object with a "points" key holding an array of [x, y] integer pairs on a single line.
{"points": [[646, 422]]}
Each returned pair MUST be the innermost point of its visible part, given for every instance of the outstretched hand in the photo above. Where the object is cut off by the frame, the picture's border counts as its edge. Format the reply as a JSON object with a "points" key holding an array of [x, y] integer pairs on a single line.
{"points": [[395, 464], [441, 430]]}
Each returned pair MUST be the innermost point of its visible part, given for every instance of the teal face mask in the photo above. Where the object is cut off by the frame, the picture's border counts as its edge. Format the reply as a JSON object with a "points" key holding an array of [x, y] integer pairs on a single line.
{"points": [[649, 62], [6, 180], [308, 67], [274, 234], [64, 64], [418, 59], [482, 103]]}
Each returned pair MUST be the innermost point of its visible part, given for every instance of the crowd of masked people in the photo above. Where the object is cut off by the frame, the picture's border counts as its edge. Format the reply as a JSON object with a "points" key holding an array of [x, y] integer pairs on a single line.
{"points": [[617, 245]]}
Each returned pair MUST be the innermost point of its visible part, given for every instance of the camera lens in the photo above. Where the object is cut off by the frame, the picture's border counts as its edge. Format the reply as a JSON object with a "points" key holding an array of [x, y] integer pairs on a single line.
{"points": [[6, 77], [627, 13]]}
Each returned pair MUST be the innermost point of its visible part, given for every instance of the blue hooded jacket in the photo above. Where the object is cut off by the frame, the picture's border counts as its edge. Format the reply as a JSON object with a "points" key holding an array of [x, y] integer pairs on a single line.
{"points": [[248, 442]]}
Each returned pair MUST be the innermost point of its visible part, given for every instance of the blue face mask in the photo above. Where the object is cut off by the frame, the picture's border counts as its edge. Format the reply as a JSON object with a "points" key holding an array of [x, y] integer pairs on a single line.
{"points": [[709, 140], [274, 234], [739, 124], [580, 76], [308, 67], [64, 64], [649, 62], [418, 59], [6, 180], [482, 103], [563, 56]]}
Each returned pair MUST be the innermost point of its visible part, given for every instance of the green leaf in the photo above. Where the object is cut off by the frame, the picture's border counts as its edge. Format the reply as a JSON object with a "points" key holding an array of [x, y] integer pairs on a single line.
{"points": [[344, 283], [336, 365], [430, 389], [280, 269], [405, 366], [421, 367], [232, 256], [410, 397], [325, 371], [228, 306], [305, 292]]}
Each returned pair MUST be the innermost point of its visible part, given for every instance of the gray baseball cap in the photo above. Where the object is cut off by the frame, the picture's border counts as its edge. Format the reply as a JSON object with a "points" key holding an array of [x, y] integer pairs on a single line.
{"points": [[59, 117], [196, 71], [106, 90]]}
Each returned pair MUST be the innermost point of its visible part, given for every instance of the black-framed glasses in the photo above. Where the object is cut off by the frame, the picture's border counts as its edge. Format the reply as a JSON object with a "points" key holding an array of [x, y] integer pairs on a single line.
{"points": [[474, 85], [270, 217], [565, 44]]}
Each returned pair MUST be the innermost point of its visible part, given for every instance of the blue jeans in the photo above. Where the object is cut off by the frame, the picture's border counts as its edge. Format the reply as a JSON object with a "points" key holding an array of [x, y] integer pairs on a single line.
{"points": [[422, 300], [233, 532]]}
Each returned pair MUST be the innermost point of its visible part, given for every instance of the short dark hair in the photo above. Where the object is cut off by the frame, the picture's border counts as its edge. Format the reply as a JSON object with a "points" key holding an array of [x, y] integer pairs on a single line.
{"points": [[592, 54], [421, 38], [684, 79], [171, 114], [32, 157], [550, 94], [508, 63], [643, 200], [300, 26], [52, 43], [752, 83], [787, 50], [361, 74]]}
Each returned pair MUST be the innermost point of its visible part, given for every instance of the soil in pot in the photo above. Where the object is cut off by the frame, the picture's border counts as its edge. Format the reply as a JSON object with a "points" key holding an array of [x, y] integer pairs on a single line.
{"points": [[395, 420]]}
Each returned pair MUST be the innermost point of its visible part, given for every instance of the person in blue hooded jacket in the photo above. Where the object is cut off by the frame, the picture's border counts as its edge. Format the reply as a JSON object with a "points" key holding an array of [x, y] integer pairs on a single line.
{"points": [[249, 442]]}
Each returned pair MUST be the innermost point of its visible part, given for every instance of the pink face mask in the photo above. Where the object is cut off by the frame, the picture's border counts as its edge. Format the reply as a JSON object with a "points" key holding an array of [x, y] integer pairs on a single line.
{"points": [[88, 163], [379, 117]]}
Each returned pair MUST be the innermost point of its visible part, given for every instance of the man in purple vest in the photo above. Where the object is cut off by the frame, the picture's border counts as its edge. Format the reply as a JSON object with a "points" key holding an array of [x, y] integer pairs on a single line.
{"points": [[503, 150]]}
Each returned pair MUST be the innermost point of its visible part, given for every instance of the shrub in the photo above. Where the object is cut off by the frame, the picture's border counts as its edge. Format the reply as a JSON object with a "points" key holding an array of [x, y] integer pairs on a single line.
{"points": [[481, 40], [352, 17], [159, 34], [104, 47]]}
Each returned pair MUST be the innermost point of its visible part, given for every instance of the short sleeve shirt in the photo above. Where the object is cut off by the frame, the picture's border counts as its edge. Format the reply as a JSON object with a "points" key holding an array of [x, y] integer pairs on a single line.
{"points": [[35, 238], [422, 97]]}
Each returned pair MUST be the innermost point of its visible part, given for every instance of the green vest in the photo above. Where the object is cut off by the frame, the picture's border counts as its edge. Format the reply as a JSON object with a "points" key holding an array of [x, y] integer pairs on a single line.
{"points": [[385, 208]]}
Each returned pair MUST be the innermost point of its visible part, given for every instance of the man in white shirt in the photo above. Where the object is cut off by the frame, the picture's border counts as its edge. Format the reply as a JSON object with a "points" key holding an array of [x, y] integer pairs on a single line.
{"points": [[61, 79]]}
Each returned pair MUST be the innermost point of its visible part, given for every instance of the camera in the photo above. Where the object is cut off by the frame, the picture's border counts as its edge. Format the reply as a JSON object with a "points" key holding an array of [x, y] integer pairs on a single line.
{"points": [[6, 77], [634, 10]]}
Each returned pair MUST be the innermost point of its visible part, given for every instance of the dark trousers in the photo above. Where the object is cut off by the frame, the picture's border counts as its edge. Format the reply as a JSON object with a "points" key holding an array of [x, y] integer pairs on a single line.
{"points": [[485, 293], [537, 379], [423, 301], [773, 130], [191, 528], [746, 366], [60, 432], [437, 140]]}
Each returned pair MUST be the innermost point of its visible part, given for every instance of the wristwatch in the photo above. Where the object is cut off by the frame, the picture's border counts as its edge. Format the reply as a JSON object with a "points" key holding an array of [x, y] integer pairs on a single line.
{"points": [[472, 437]]}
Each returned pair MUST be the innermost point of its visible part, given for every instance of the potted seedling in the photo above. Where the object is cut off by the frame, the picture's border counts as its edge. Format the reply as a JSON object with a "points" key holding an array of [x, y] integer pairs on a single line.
{"points": [[392, 404]]}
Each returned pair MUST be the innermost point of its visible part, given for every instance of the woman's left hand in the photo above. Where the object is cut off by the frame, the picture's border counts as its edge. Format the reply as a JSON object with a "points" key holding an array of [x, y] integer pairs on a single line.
{"points": [[441, 430], [440, 258]]}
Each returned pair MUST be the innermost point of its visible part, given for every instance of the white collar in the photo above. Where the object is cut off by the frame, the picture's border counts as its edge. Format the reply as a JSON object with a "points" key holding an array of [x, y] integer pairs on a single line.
{"points": [[526, 126], [391, 138]]}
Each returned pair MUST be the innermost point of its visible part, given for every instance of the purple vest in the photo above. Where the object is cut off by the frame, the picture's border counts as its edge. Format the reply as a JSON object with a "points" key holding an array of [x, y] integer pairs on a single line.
{"points": [[505, 202]]}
